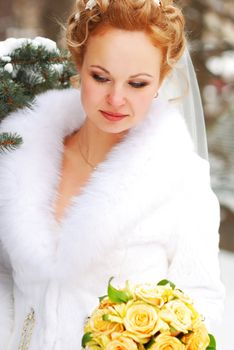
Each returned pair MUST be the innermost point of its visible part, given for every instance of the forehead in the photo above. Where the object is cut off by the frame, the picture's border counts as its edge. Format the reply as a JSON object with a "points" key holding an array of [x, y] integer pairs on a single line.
{"points": [[117, 48]]}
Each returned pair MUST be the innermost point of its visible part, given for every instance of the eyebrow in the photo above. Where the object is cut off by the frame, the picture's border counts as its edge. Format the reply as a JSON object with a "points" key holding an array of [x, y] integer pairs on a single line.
{"points": [[132, 76]]}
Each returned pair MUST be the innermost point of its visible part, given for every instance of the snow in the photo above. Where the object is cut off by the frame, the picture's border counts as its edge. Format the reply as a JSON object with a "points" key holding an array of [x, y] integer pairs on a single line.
{"points": [[8, 46], [8, 68], [11, 44], [48, 44], [59, 68], [6, 58]]}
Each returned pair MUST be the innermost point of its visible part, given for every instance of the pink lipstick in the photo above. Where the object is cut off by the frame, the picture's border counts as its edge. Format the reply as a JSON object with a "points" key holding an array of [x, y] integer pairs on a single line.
{"points": [[113, 116]]}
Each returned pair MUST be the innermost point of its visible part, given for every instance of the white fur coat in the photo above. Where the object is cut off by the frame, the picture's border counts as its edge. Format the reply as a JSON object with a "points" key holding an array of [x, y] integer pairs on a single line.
{"points": [[147, 213]]}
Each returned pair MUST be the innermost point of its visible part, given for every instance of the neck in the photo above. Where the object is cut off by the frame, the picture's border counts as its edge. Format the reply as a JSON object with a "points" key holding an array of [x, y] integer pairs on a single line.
{"points": [[96, 143]]}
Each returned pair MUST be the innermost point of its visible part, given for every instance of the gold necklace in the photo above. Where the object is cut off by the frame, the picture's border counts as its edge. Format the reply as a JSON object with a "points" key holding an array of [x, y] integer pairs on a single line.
{"points": [[84, 158], [27, 331]]}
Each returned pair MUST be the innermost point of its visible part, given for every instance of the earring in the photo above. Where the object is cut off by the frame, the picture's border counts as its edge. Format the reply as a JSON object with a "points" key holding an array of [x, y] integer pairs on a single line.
{"points": [[156, 95]]}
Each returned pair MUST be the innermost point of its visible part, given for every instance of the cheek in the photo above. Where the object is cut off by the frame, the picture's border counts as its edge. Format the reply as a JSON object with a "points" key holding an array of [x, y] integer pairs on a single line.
{"points": [[87, 91], [142, 104], [90, 92]]}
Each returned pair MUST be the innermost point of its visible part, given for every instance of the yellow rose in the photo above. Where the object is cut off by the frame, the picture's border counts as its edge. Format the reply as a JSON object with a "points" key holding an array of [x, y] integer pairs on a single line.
{"points": [[121, 343], [105, 303], [182, 296], [167, 342], [140, 321], [196, 317], [177, 315], [101, 340], [93, 347], [97, 324], [155, 295], [198, 340]]}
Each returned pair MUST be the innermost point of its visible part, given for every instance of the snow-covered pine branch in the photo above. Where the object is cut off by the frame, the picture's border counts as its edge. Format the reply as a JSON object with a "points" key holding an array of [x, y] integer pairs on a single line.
{"points": [[27, 68]]}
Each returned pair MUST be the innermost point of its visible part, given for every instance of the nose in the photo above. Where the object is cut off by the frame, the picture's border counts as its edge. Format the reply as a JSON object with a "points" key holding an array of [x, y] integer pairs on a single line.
{"points": [[116, 97]]}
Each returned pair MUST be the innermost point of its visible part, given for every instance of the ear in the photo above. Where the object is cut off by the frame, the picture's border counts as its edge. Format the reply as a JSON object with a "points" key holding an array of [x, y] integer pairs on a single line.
{"points": [[75, 81], [78, 68]]}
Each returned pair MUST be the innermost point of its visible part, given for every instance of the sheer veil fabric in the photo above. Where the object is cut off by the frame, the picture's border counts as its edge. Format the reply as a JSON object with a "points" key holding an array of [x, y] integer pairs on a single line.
{"points": [[181, 88]]}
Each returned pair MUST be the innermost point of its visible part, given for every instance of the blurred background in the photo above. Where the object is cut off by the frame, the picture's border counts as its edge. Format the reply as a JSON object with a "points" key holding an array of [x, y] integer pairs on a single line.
{"points": [[210, 30]]}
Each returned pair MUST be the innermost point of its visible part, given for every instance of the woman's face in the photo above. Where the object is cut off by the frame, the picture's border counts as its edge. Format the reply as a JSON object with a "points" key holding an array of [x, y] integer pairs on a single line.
{"points": [[119, 78]]}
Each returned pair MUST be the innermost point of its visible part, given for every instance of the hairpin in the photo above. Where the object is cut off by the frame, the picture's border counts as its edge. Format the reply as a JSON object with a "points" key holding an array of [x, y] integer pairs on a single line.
{"points": [[90, 4]]}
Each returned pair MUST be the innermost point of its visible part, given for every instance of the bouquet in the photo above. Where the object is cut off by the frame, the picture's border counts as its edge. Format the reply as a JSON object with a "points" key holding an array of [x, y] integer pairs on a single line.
{"points": [[146, 317]]}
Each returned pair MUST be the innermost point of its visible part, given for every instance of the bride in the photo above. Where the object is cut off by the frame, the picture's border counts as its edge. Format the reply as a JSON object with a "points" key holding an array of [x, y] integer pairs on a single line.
{"points": [[107, 183]]}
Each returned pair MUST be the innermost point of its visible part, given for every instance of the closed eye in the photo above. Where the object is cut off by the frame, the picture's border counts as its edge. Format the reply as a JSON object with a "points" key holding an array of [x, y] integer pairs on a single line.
{"points": [[138, 85], [99, 78], [102, 79]]}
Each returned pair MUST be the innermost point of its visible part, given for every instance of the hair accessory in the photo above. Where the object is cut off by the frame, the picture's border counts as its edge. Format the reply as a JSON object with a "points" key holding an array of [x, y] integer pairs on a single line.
{"points": [[158, 2], [77, 16], [90, 4]]}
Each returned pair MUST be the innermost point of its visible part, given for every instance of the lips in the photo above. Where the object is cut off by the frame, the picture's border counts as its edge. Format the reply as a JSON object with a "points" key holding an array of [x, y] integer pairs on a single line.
{"points": [[113, 116]]}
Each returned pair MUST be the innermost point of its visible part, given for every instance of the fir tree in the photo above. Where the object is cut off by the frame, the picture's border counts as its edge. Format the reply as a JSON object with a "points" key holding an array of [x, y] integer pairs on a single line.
{"points": [[27, 68]]}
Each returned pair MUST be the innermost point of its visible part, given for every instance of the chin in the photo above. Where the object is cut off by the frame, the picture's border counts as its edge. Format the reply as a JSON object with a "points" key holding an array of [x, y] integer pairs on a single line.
{"points": [[114, 129]]}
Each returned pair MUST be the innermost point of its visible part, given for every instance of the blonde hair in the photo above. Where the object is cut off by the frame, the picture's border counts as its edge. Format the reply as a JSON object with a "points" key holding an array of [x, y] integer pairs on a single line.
{"points": [[163, 23]]}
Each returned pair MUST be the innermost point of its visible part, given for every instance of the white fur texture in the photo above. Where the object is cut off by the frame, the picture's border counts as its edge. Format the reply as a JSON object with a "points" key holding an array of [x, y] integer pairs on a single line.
{"points": [[142, 215]]}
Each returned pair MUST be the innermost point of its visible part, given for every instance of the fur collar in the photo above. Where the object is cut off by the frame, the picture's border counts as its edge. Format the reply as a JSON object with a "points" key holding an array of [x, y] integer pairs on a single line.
{"points": [[139, 174]]}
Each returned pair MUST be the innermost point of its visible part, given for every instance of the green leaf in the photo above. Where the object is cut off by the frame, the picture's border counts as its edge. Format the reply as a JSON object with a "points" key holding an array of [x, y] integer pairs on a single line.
{"points": [[173, 330], [87, 337], [102, 298], [149, 344], [165, 282], [118, 296], [212, 345], [105, 317]]}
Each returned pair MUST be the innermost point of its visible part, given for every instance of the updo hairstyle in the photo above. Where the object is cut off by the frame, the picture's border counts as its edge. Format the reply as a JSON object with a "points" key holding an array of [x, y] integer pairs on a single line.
{"points": [[163, 23]]}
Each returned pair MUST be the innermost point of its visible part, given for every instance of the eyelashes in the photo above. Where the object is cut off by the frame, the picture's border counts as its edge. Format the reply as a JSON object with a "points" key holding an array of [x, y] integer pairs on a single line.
{"points": [[101, 79], [138, 85]]}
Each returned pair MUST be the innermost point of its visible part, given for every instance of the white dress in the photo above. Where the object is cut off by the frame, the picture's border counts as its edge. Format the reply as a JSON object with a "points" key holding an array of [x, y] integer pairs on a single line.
{"points": [[147, 213]]}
